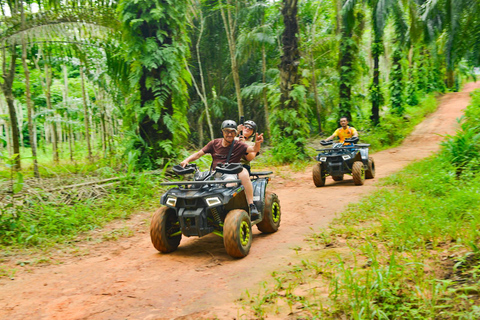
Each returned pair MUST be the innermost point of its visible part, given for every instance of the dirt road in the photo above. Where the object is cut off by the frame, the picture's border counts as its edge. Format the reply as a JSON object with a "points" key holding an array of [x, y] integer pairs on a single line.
{"points": [[129, 279]]}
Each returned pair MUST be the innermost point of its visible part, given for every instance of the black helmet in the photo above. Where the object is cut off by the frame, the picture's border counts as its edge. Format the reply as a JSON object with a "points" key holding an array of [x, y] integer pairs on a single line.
{"points": [[251, 124], [229, 124]]}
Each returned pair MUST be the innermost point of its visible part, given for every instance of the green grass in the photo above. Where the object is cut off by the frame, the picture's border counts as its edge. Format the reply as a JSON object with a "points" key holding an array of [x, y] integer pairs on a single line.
{"points": [[46, 224], [399, 255]]}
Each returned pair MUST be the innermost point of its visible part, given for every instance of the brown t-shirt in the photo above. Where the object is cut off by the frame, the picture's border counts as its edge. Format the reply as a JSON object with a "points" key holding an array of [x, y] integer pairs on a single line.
{"points": [[220, 153]]}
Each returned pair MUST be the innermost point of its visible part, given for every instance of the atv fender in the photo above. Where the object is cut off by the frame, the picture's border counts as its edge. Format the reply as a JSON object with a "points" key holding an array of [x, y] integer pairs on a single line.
{"points": [[259, 188], [362, 155]]}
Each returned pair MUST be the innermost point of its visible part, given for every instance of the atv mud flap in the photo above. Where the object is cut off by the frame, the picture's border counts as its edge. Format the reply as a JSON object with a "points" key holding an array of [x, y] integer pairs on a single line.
{"points": [[194, 222]]}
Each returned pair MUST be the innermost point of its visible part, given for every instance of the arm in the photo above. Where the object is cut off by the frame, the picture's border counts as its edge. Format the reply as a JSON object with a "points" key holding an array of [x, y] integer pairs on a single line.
{"points": [[256, 148], [192, 157], [332, 136], [250, 156]]}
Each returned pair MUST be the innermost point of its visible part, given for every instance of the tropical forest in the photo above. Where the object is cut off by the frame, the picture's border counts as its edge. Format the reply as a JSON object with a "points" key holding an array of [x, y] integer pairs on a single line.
{"points": [[118, 198]]}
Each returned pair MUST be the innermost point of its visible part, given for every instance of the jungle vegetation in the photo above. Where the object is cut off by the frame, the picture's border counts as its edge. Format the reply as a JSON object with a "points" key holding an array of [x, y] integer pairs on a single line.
{"points": [[147, 79]]}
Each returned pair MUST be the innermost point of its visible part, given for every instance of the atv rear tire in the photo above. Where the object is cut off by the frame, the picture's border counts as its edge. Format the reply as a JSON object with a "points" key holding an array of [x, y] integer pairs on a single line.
{"points": [[237, 233], [271, 214], [164, 223], [337, 178], [358, 173], [318, 173], [370, 172]]}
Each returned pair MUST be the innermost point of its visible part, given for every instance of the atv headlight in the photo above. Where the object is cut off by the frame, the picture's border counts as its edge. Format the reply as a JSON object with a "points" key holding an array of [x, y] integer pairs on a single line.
{"points": [[171, 201], [323, 159], [213, 201], [346, 157]]}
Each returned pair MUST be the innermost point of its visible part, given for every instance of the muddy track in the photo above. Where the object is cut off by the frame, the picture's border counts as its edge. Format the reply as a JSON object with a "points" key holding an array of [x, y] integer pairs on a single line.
{"points": [[129, 279]]}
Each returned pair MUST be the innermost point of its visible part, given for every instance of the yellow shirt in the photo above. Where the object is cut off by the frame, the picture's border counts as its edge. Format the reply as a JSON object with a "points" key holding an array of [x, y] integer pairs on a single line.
{"points": [[343, 134]]}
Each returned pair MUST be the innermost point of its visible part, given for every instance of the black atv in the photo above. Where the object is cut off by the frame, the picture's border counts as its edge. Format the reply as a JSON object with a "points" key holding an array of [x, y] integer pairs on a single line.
{"points": [[343, 158], [214, 202]]}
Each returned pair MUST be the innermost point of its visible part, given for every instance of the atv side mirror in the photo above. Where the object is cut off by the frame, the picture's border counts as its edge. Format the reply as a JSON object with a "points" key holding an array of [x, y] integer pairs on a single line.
{"points": [[352, 140], [229, 168], [189, 168]]}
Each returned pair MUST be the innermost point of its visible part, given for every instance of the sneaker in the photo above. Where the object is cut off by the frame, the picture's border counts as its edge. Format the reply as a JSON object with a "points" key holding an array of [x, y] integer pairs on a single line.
{"points": [[254, 215]]}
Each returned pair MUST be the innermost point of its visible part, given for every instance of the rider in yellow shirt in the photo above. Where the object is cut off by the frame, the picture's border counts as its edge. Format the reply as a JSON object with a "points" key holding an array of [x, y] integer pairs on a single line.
{"points": [[344, 132]]}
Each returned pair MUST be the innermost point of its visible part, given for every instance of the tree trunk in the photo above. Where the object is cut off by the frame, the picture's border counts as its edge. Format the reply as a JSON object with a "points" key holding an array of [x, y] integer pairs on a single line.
{"points": [[318, 107], [289, 77], [203, 92], [450, 78], [67, 114], [7, 83], [264, 93], [375, 90], [86, 115], [291, 55], [230, 26], [200, 131], [48, 83]]}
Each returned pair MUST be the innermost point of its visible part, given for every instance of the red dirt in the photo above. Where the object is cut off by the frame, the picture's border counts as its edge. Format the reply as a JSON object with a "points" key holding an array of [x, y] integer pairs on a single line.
{"points": [[129, 279]]}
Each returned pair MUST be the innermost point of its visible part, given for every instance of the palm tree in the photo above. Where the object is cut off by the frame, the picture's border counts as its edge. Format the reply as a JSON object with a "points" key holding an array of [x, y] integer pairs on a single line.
{"points": [[457, 22], [350, 29], [43, 26], [380, 11], [155, 32]]}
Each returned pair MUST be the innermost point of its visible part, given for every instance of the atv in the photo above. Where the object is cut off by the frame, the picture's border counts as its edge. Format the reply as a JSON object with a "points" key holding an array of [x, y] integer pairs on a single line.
{"points": [[343, 158], [214, 202]]}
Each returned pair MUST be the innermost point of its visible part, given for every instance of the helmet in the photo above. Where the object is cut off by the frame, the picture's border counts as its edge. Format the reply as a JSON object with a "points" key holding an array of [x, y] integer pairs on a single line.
{"points": [[251, 124], [229, 124]]}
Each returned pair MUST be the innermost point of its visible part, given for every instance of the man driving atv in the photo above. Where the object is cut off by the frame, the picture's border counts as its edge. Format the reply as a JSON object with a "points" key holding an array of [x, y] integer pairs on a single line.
{"points": [[220, 149], [344, 132]]}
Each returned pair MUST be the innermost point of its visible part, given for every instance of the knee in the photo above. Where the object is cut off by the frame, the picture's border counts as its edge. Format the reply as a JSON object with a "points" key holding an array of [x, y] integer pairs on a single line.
{"points": [[243, 174]]}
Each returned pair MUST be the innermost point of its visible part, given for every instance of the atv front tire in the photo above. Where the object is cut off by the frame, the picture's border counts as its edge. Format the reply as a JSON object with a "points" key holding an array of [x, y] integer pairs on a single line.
{"points": [[358, 173], [165, 230], [271, 214], [370, 172], [337, 178], [237, 233], [318, 173]]}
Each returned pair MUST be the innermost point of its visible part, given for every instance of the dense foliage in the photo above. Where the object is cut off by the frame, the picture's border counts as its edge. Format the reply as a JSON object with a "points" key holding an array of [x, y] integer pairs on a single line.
{"points": [[293, 67]]}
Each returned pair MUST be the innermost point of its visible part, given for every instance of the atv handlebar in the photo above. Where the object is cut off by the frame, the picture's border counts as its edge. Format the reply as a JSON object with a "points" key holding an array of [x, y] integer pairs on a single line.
{"points": [[352, 140], [325, 142], [229, 168], [189, 168]]}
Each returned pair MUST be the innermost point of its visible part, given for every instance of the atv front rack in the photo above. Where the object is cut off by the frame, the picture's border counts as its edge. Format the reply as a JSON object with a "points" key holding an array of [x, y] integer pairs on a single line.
{"points": [[199, 183], [356, 146]]}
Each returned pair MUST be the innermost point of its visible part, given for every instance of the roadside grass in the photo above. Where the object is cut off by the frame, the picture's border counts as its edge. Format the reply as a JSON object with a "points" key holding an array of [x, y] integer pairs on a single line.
{"points": [[43, 224], [408, 251]]}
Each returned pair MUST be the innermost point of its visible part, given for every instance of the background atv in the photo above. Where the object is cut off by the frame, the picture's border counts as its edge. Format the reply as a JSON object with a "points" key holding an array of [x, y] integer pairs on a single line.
{"points": [[214, 202], [342, 159]]}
